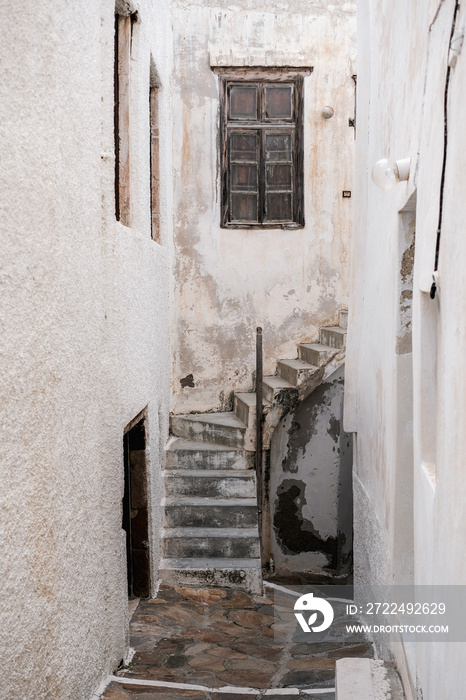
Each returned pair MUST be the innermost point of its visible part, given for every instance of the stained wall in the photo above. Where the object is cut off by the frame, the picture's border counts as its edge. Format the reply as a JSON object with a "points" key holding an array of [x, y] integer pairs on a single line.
{"points": [[310, 487], [226, 282]]}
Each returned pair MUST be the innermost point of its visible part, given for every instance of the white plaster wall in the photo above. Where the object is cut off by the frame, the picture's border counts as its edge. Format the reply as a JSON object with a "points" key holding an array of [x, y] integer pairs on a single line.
{"points": [[227, 282], [403, 51], [83, 341]]}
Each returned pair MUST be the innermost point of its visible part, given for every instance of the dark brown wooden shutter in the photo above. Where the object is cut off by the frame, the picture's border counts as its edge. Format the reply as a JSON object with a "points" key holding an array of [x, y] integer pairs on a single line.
{"points": [[243, 149]]}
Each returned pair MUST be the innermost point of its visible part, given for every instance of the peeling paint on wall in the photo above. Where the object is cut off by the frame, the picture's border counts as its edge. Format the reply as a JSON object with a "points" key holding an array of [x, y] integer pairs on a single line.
{"points": [[311, 513], [228, 282], [407, 239], [295, 533]]}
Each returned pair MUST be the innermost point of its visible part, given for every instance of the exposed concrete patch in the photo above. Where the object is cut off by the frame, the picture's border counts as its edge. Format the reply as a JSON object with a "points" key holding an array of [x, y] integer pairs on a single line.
{"points": [[124, 8], [407, 240], [295, 533], [380, 681]]}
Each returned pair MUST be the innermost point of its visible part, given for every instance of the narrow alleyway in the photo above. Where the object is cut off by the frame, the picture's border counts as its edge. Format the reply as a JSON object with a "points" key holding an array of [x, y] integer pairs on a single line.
{"points": [[223, 644]]}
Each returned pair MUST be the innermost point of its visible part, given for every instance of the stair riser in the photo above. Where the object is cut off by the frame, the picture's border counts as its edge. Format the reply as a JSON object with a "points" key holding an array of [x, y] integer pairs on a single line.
{"points": [[246, 580], [269, 393], [211, 487], [276, 395], [292, 375], [314, 357], [234, 547], [208, 459], [245, 412], [210, 516], [205, 432], [333, 339], [344, 319]]}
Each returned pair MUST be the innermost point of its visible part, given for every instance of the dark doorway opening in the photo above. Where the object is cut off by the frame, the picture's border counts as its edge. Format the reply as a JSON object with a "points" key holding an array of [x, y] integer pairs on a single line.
{"points": [[135, 511]]}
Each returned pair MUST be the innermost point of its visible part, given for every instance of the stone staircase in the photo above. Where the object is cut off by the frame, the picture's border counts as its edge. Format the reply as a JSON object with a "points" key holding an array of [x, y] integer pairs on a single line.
{"points": [[211, 533]]}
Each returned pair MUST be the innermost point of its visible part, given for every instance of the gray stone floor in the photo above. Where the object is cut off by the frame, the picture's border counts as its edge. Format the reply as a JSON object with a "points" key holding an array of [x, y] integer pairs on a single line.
{"points": [[211, 638]]}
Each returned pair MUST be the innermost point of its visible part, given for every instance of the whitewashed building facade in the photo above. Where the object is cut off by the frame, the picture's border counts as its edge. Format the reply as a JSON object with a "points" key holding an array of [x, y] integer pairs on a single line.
{"points": [[84, 339], [405, 382]]}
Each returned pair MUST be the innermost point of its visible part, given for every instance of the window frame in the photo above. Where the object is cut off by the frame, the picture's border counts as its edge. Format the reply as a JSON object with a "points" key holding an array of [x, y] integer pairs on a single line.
{"points": [[261, 77], [122, 116]]}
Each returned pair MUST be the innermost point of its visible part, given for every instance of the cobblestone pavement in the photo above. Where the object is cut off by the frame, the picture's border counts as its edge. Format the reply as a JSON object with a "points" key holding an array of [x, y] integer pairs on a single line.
{"points": [[211, 638]]}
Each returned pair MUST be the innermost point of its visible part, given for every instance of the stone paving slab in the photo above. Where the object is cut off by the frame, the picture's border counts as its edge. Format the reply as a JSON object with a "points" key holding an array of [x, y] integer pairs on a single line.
{"points": [[124, 692], [215, 637]]}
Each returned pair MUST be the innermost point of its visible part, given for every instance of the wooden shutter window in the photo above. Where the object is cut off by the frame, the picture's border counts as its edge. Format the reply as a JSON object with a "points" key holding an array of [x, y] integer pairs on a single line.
{"points": [[278, 177], [262, 153]]}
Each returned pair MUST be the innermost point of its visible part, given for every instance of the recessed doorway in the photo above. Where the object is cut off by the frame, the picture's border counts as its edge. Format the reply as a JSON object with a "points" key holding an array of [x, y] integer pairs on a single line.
{"points": [[135, 510]]}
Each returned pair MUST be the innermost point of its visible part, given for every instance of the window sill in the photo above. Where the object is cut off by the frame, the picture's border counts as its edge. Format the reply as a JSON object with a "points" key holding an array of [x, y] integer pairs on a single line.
{"points": [[260, 227]]}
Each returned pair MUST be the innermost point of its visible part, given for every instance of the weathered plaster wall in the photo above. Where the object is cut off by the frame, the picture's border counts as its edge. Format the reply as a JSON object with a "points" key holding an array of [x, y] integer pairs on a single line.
{"points": [[408, 404], [310, 486], [227, 282], [83, 341]]}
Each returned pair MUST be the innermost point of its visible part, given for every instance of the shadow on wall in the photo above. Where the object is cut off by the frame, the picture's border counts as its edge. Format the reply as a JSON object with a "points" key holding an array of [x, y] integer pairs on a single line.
{"points": [[311, 488]]}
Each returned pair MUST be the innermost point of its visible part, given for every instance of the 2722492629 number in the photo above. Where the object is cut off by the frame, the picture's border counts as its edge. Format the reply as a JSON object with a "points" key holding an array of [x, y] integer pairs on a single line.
{"points": [[404, 609]]}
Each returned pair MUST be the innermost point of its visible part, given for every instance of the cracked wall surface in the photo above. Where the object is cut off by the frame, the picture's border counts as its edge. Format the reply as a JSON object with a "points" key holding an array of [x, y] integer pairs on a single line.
{"points": [[228, 282]]}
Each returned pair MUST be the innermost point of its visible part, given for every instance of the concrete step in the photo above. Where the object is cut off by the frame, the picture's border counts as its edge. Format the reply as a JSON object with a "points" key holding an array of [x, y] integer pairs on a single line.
{"points": [[344, 318], [365, 679], [244, 574], [274, 387], [295, 371], [218, 428], [334, 336], [245, 407], [185, 454], [224, 542], [205, 483], [210, 512], [315, 353]]}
